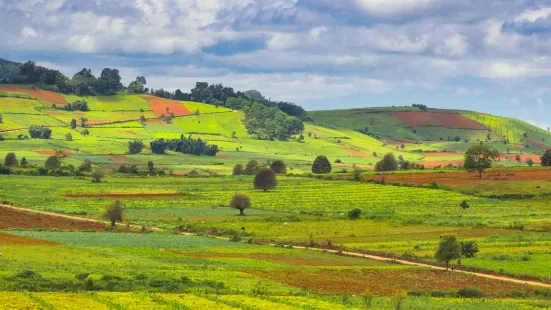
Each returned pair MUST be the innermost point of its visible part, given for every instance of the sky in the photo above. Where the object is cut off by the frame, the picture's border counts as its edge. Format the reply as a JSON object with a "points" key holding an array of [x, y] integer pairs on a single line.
{"points": [[485, 55]]}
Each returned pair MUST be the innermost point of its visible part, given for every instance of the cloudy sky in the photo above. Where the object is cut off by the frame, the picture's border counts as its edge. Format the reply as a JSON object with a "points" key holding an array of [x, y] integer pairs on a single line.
{"points": [[485, 55]]}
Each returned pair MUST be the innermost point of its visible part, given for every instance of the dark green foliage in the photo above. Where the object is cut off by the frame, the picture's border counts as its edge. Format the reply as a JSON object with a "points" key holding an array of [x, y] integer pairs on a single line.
{"points": [[240, 202], [265, 179], [79, 105], [480, 157], [40, 132], [138, 86], [469, 249], [84, 83], [279, 167], [388, 163], [11, 160], [113, 212], [4, 170], [24, 162], [109, 82], [86, 166], [30, 73], [546, 158], [354, 213], [420, 106], [270, 122], [464, 205], [53, 162], [158, 146], [252, 167], [530, 162], [470, 293], [448, 249], [135, 147], [129, 170], [321, 165], [69, 137], [238, 169], [73, 123], [184, 145], [8, 69]]}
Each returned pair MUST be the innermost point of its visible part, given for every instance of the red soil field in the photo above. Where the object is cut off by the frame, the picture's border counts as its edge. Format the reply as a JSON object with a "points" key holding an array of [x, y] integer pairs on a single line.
{"points": [[451, 178], [357, 153], [442, 163], [439, 154], [523, 157], [223, 155], [10, 218], [39, 94], [123, 195], [67, 153], [13, 239], [537, 144], [384, 282], [449, 120], [159, 107], [118, 159]]}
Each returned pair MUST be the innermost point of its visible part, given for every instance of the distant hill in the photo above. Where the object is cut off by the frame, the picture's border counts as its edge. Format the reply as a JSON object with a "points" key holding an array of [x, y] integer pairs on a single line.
{"points": [[8, 69]]}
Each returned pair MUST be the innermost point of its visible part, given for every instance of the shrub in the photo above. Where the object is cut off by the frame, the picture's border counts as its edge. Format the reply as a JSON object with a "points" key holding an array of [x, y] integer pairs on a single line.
{"points": [[265, 179], [470, 293], [279, 167], [40, 132], [469, 249], [97, 175], [113, 213], [252, 167], [52, 162], [546, 158], [238, 169], [24, 162], [4, 170], [69, 137], [158, 146], [321, 165], [354, 213], [86, 166], [11, 160], [240, 202], [388, 163], [135, 147]]}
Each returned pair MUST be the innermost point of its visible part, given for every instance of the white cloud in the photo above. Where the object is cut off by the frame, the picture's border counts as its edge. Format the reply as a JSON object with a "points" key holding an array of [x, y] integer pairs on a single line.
{"points": [[533, 15], [540, 103], [465, 91], [454, 46], [27, 33], [390, 8]]}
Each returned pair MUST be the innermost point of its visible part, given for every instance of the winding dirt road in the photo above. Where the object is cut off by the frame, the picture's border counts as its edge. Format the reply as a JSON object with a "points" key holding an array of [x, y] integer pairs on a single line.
{"points": [[348, 253]]}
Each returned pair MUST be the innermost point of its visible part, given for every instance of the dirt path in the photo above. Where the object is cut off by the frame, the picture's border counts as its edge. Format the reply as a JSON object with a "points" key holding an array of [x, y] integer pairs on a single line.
{"points": [[353, 254]]}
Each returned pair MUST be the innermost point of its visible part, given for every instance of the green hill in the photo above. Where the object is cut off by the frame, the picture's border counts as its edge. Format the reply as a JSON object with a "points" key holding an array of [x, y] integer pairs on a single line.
{"points": [[113, 121]]}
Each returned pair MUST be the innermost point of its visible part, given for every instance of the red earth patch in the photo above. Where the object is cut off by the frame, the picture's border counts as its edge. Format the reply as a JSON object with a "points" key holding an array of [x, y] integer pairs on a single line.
{"points": [[66, 153], [523, 157], [159, 106], [39, 94], [440, 154], [449, 120], [10, 218], [13, 239], [123, 195], [357, 153], [223, 155]]}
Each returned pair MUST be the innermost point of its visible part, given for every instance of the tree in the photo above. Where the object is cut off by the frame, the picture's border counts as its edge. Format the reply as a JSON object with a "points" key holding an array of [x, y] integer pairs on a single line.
{"points": [[448, 249], [86, 166], [464, 205], [158, 146], [73, 123], [1, 118], [137, 86], [251, 167], [240, 202], [388, 163], [85, 132], [469, 249], [135, 147], [69, 137], [52, 162], [109, 82], [279, 167], [11, 160], [143, 120], [83, 121], [530, 162], [40, 132], [150, 166], [354, 214], [546, 158], [357, 173], [113, 213], [24, 162], [321, 165], [238, 169], [97, 175], [197, 113], [265, 179], [480, 158]]}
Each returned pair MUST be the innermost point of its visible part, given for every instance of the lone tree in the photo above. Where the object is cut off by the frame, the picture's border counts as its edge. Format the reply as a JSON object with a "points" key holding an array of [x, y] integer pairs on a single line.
{"points": [[11, 160], [97, 175], [388, 163], [73, 123], [546, 158], [469, 249], [52, 162], [448, 249], [24, 162], [357, 173], [480, 158], [135, 147], [240, 202], [464, 205], [279, 167], [251, 167], [265, 179], [321, 165], [113, 213], [238, 169]]}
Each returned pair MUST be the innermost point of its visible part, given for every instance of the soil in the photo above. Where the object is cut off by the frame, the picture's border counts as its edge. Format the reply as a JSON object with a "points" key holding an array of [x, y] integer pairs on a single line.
{"points": [[159, 107], [449, 120], [39, 94], [10, 218], [13, 239]]}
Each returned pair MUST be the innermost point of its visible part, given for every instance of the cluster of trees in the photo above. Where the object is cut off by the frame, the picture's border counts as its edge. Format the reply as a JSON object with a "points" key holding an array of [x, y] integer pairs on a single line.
{"points": [[450, 248], [79, 105], [40, 132], [420, 106], [252, 167], [8, 68], [183, 145], [269, 122], [546, 158]]}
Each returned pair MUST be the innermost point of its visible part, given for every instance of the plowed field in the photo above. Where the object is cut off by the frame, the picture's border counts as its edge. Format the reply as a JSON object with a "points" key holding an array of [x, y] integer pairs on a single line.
{"points": [[449, 120]]}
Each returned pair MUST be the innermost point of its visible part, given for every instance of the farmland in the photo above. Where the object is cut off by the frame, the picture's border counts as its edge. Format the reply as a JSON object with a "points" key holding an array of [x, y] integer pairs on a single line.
{"points": [[179, 245]]}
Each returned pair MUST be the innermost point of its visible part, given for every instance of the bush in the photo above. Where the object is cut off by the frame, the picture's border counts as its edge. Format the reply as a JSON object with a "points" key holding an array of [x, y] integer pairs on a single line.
{"points": [[279, 167], [158, 146], [470, 293], [52, 162], [265, 179], [388, 163], [238, 169], [135, 147], [252, 167], [240, 202], [11, 160], [354, 214], [40, 132], [321, 165]]}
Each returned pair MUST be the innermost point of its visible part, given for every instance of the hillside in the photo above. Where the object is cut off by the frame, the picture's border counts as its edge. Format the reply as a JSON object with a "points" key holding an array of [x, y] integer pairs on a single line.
{"points": [[113, 121]]}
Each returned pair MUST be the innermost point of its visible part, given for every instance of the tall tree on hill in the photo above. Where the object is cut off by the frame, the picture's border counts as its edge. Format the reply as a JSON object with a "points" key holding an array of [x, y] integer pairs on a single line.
{"points": [[73, 123], [109, 83], [546, 158], [321, 165], [251, 167], [137, 86], [388, 163], [11, 160], [84, 83], [480, 157], [265, 179], [238, 169]]}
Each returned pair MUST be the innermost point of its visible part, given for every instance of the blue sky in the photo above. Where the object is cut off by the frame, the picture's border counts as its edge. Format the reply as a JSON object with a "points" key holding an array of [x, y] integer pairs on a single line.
{"points": [[486, 55]]}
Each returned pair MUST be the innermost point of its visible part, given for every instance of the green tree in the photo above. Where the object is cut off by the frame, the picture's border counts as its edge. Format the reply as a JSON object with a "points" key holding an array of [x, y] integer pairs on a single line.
{"points": [[240, 202], [238, 169], [150, 166], [357, 174], [530, 162], [73, 123], [24, 162], [135, 147], [86, 166], [279, 167], [480, 157], [469, 249], [546, 158], [69, 137], [11, 160], [113, 213], [52, 163], [158, 146], [464, 205], [265, 179], [321, 165], [97, 175], [448, 249], [354, 214], [251, 167], [388, 163], [137, 86]]}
